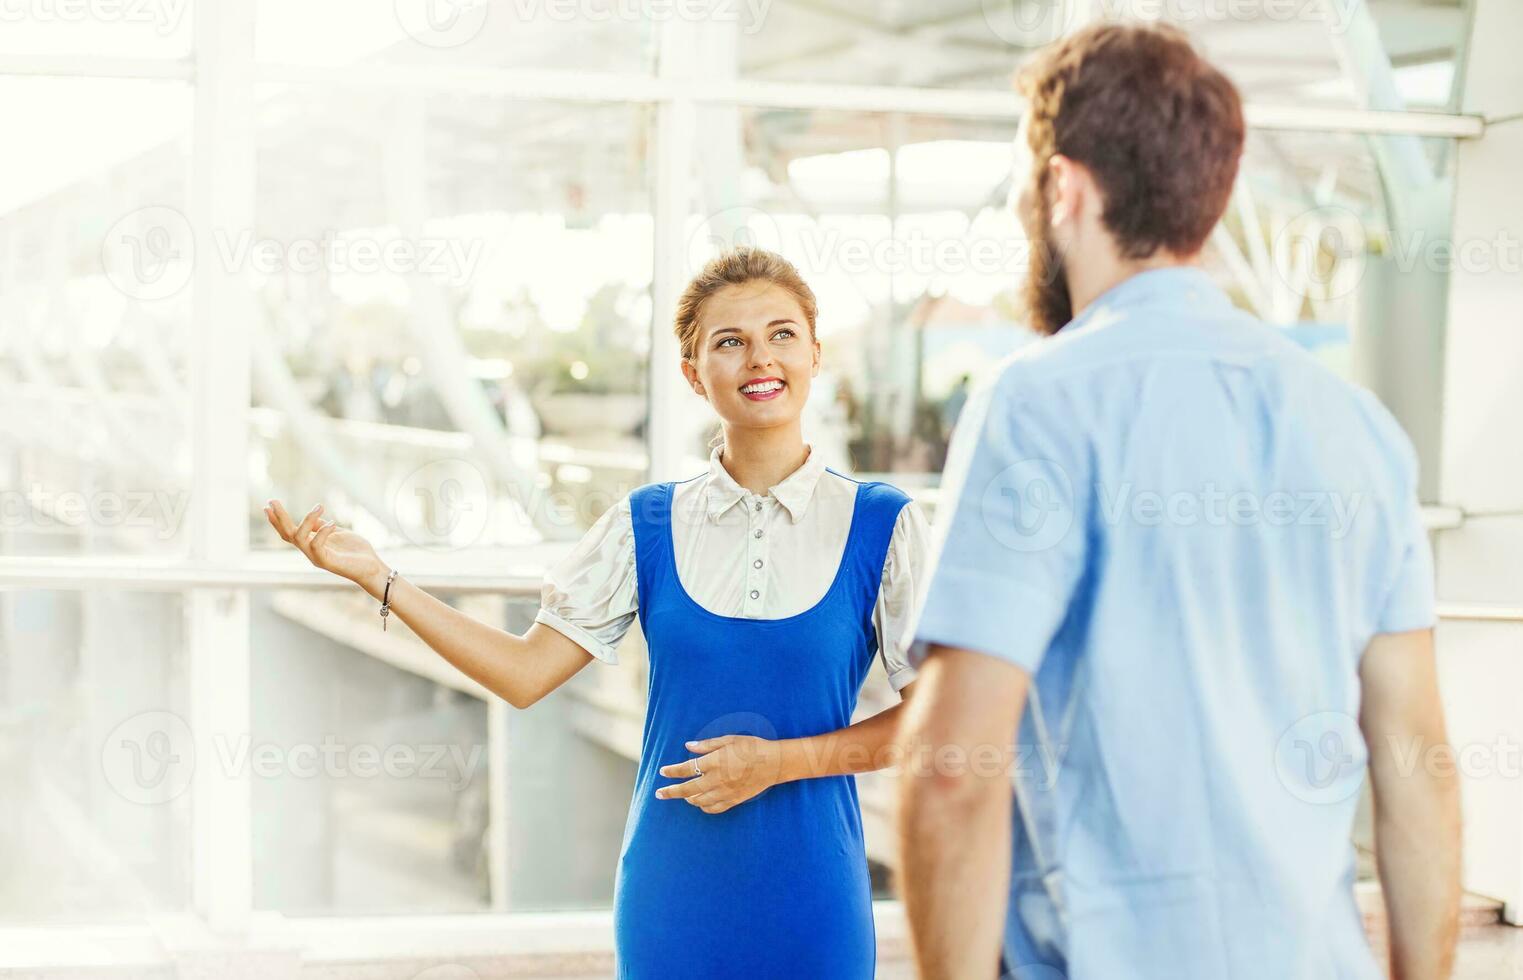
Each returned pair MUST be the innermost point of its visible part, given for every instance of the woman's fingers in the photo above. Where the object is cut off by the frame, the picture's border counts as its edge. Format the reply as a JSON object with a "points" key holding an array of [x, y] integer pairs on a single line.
{"points": [[282, 521], [676, 769], [321, 537], [681, 791], [711, 802], [301, 535]]}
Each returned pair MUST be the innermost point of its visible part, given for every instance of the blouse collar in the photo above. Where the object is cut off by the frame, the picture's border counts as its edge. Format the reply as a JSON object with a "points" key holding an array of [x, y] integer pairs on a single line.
{"points": [[794, 492]]}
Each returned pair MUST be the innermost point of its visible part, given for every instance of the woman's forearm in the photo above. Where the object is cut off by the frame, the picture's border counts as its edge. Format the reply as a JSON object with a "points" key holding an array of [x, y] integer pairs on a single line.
{"points": [[861, 747], [519, 669]]}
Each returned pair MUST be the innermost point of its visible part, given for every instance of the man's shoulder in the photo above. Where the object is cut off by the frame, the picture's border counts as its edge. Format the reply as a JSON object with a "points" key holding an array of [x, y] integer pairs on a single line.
{"points": [[1136, 338]]}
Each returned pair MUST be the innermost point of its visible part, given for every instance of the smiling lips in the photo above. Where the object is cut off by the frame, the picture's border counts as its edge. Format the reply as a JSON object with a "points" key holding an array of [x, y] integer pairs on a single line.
{"points": [[762, 389]]}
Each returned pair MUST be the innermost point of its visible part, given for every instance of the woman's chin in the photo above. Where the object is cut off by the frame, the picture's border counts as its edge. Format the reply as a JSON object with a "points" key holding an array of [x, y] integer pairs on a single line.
{"points": [[767, 413]]}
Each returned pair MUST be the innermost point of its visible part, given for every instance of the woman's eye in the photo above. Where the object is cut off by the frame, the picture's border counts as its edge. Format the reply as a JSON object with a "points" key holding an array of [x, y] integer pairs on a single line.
{"points": [[726, 340], [785, 332]]}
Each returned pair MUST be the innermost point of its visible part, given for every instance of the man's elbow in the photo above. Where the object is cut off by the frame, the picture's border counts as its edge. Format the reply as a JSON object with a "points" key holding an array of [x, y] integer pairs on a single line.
{"points": [[935, 788]]}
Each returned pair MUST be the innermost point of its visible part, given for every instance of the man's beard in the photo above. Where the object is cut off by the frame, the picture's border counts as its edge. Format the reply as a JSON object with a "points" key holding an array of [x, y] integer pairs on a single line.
{"points": [[1045, 291]]}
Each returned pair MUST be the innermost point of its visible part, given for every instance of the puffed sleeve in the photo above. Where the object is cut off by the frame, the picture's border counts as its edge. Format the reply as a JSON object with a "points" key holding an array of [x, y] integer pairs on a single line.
{"points": [[590, 595], [903, 576]]}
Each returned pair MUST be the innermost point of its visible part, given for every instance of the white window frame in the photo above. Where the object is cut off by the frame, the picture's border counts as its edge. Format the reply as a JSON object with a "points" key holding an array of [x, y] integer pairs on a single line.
{"points": [[219, 571]]}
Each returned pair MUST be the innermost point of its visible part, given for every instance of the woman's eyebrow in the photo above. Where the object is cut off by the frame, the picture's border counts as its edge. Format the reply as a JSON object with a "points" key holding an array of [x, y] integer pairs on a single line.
{"points": [[719, 330]]}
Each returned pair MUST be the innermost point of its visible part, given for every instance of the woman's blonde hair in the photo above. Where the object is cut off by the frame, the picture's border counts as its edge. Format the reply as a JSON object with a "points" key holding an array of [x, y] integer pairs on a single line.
{"points": [[737, 267]]}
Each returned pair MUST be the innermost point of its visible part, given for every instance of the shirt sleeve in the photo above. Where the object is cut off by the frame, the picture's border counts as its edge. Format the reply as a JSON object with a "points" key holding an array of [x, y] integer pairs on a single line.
{"points": [[1009, 544], [904, 570], [1409, 602], [591, 595]]}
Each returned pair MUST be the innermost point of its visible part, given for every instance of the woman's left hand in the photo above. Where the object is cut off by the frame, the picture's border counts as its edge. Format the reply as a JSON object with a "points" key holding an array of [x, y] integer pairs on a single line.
{"points": [[735, 768]]}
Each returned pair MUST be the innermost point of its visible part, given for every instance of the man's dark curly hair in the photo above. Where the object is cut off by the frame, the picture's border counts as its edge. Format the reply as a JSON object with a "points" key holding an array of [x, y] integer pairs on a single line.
{"points": [[1160, 128]]}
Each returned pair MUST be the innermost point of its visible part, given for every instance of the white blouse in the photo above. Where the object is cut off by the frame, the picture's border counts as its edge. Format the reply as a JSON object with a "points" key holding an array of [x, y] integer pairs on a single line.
{"points": [[739, 554]]}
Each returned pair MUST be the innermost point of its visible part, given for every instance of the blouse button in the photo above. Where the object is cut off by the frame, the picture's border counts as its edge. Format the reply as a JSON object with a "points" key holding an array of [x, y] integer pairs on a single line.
{"points": [[758, 532], [758, 505], [757, 563], [755, 594]]}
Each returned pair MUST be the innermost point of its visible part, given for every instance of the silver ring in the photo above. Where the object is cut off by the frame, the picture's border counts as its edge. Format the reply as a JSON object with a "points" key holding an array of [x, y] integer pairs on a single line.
{"points": [[696, 770]]}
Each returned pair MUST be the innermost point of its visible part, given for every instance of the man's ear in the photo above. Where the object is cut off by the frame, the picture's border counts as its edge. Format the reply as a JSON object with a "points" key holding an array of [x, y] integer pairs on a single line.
{"points": [[1067, 188]]}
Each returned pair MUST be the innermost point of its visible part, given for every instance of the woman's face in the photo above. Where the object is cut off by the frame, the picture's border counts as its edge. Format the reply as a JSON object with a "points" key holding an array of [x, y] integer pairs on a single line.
{"points": [[754, 357]]}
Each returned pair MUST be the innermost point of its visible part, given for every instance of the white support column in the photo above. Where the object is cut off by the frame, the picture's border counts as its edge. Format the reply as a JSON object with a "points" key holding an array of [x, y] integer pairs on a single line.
{"points": [[498, 811], [676, 125], [1481, 663], [221, 200]]}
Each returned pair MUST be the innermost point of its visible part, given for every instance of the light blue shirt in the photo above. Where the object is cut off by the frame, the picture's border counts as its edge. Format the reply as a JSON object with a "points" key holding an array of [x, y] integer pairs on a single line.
{"points": [[1186, 530]]}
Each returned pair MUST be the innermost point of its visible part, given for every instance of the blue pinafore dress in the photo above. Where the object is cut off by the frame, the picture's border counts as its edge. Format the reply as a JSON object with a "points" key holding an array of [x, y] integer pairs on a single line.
{"points": [[775, 887]]}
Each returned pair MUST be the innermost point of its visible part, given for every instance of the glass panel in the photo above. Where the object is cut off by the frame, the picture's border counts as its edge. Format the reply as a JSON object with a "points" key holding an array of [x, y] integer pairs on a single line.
{"points": [[950, 44], [92, 756], [1345, 241], [97, 28], [95, 293], [600, 35], [371, 760], [376, 794], [911, 255], [916, 259], [1277, 52], [1332, 227], [477, 381], [1383, 54], [369, 775]]}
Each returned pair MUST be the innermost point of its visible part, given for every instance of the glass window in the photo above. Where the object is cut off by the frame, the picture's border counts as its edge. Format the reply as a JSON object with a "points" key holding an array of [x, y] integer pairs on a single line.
{"points": [[1282, 53], [900, 223], [160, 29], [94, 745], [95, 268], [369, 776], [601, 35], [456, 295]]}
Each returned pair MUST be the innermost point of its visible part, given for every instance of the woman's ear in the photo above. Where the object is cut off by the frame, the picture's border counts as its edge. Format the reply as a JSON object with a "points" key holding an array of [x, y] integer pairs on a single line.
{"points": [[691, 373], [814, 371]]}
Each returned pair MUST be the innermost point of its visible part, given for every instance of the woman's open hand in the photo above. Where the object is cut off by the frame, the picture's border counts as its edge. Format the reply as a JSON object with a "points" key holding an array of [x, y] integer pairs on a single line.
{"points": [[328, 546], [735, 768]]}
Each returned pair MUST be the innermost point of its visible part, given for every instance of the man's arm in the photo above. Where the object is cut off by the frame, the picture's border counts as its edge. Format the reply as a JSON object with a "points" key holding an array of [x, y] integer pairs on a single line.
{"points": [[1417, 810], [955, 810]]}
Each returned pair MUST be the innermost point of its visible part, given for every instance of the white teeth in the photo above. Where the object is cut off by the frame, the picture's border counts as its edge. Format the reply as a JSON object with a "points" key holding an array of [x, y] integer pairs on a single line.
{"points": [[763, 387]]}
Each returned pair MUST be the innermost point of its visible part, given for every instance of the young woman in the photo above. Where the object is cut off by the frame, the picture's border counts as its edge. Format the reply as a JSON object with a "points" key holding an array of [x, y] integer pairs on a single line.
{"points": [[765, 588]]}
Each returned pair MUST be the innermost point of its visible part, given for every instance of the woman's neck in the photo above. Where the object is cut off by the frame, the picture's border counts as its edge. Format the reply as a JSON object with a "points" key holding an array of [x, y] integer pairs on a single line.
{"points": [[759, 459]]}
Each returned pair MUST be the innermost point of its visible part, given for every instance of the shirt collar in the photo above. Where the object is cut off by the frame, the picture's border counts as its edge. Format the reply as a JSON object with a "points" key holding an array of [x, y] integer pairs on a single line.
{"points": [[1174, 285], [794, 492]]}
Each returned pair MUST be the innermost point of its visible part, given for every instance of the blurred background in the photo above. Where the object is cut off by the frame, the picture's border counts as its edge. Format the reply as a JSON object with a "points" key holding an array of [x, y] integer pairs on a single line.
{"points": [[416, 260]]}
